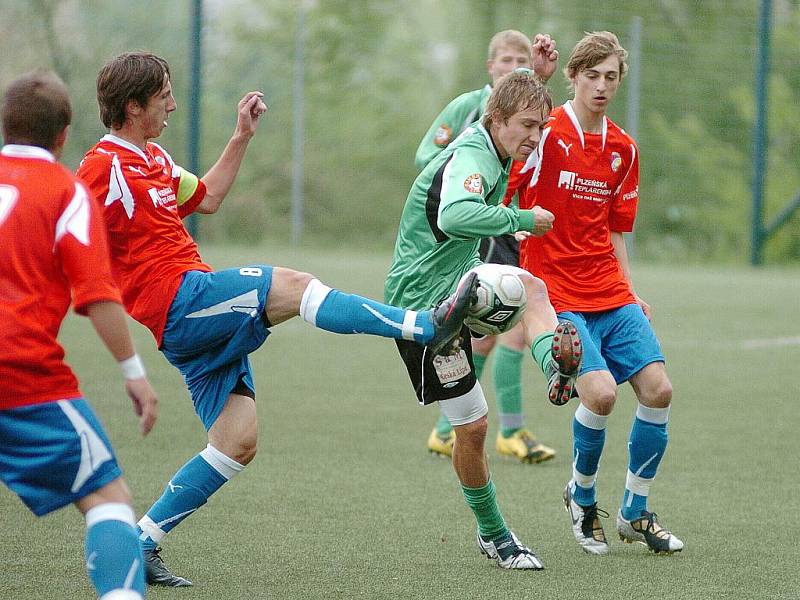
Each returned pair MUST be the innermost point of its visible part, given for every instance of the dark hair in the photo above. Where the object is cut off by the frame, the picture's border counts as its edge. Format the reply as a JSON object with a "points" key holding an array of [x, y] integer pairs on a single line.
{"points": [[35, 109], [516, 91], [131, 76]]}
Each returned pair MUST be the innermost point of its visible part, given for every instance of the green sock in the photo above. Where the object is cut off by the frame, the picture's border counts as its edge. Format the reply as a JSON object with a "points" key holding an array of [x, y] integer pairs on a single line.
{"points": [[443, 427], [507, 369], [479, 360], [483, 503], [541, 350]]}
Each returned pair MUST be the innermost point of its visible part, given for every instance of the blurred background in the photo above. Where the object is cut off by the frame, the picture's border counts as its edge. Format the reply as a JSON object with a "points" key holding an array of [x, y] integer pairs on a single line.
{"points": [[366, 78]]}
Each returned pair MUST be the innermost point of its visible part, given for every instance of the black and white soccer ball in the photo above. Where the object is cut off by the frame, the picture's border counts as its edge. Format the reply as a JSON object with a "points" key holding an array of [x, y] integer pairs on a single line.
{"points": [[501, 300]]}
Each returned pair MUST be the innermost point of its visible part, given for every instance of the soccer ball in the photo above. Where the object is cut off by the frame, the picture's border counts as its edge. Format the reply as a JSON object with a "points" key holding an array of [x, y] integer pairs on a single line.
{"points": [[501, 300]]}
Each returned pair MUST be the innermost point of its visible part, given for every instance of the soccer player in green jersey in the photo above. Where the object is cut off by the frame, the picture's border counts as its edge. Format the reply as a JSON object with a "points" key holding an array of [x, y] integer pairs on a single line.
{"points": [[508, 50], [453, 203]]}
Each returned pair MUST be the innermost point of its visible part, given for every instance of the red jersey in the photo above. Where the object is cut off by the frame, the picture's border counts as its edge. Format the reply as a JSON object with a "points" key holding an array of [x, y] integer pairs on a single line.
{"points": [[590, 182], [52, 247], [144, 196]]}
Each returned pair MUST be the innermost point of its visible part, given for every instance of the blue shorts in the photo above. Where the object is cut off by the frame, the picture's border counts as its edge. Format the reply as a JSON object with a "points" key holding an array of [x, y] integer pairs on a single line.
{"points": [[619, 340], [54, 453], [214, 322]]}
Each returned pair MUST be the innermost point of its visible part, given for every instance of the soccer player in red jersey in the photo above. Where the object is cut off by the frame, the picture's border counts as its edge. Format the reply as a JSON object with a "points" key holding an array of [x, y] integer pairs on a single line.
{"points": [[53, 251], [587, 175], [205, 322]]}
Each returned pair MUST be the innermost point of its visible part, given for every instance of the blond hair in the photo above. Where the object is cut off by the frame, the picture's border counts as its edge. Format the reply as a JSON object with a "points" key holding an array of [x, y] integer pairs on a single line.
{"points": [[594, 48], [512, 39], [514, 92]]}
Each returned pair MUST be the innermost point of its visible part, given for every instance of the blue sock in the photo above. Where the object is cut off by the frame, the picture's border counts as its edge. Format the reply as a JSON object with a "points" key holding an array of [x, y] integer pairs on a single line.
{"points": [[589, 436], [113, 556], [646, 446], [188, 490], [338, 312]]}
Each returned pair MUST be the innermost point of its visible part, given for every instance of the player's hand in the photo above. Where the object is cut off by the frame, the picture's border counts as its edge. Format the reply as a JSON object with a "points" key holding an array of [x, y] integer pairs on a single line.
{"points": [[542, 221], [145, 402], [522, 235], [251, 107], [648, 312], [545, 56]]}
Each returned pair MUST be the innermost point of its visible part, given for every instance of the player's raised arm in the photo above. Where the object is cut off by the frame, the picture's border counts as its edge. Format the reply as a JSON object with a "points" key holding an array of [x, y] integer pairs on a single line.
{"points": [[220, 177], [545, 56], [109, 321]]}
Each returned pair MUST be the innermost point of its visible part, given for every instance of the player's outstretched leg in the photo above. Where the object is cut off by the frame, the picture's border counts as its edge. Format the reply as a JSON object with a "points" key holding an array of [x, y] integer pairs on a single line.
{"points": [[339, 312]]}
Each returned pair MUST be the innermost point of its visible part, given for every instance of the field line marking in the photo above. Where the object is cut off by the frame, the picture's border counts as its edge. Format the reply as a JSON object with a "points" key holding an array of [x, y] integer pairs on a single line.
{"points": [[770, 343]]}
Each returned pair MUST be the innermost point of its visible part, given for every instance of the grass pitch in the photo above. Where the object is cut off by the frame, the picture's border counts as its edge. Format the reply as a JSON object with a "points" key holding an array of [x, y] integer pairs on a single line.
{"points": [[343, 501]]}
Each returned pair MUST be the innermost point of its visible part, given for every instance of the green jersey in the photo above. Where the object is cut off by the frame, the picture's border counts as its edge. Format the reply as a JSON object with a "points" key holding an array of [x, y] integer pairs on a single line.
{"points": [[454, 202], [462, 112]]}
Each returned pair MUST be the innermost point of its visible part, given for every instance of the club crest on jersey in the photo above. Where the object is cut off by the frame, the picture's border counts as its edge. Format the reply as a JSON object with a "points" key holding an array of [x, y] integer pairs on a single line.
{"points": [[442, 135], [616, 161], [474, 184]]}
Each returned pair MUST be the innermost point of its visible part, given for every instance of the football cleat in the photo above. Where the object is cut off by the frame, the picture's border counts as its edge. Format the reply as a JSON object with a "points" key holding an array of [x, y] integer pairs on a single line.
{"points": [[448, 317], [523, 446], [157, 573], [509, 553], [443, 446], [586, 525], [646, 530], [563, 368]]}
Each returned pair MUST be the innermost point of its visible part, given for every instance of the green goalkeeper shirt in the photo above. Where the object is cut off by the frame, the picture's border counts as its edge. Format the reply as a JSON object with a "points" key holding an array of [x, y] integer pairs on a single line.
{"points": [[454, 202], [462, 112]]}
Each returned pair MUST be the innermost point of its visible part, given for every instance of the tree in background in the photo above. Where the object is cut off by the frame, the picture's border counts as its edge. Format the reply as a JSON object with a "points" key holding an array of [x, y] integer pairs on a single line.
{"points": [[377, 71]]}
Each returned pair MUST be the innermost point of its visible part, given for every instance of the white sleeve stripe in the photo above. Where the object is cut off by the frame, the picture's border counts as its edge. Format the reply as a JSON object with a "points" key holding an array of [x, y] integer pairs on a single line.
{"points": [[75, 218], [624, 179]]}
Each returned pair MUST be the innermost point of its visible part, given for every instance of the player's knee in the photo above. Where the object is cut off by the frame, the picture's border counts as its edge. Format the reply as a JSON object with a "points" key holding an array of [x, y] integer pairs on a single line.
{"points": [[535, 288], [286, 294], [659, 395], [601, 398], [247, 448], [472, 434], [298, 280]]}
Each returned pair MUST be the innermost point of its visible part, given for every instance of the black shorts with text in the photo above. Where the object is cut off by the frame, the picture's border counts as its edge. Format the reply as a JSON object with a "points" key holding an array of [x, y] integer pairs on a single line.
{"points": [[435, 377]]}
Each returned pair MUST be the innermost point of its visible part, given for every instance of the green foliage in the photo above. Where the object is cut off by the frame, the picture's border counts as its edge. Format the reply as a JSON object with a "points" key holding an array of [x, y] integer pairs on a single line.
{"points": [[378, 71]]}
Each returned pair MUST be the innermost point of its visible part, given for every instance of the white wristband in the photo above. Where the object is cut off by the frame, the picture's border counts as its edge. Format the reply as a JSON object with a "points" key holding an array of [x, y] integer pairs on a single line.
{"points": [[132, 368]]}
